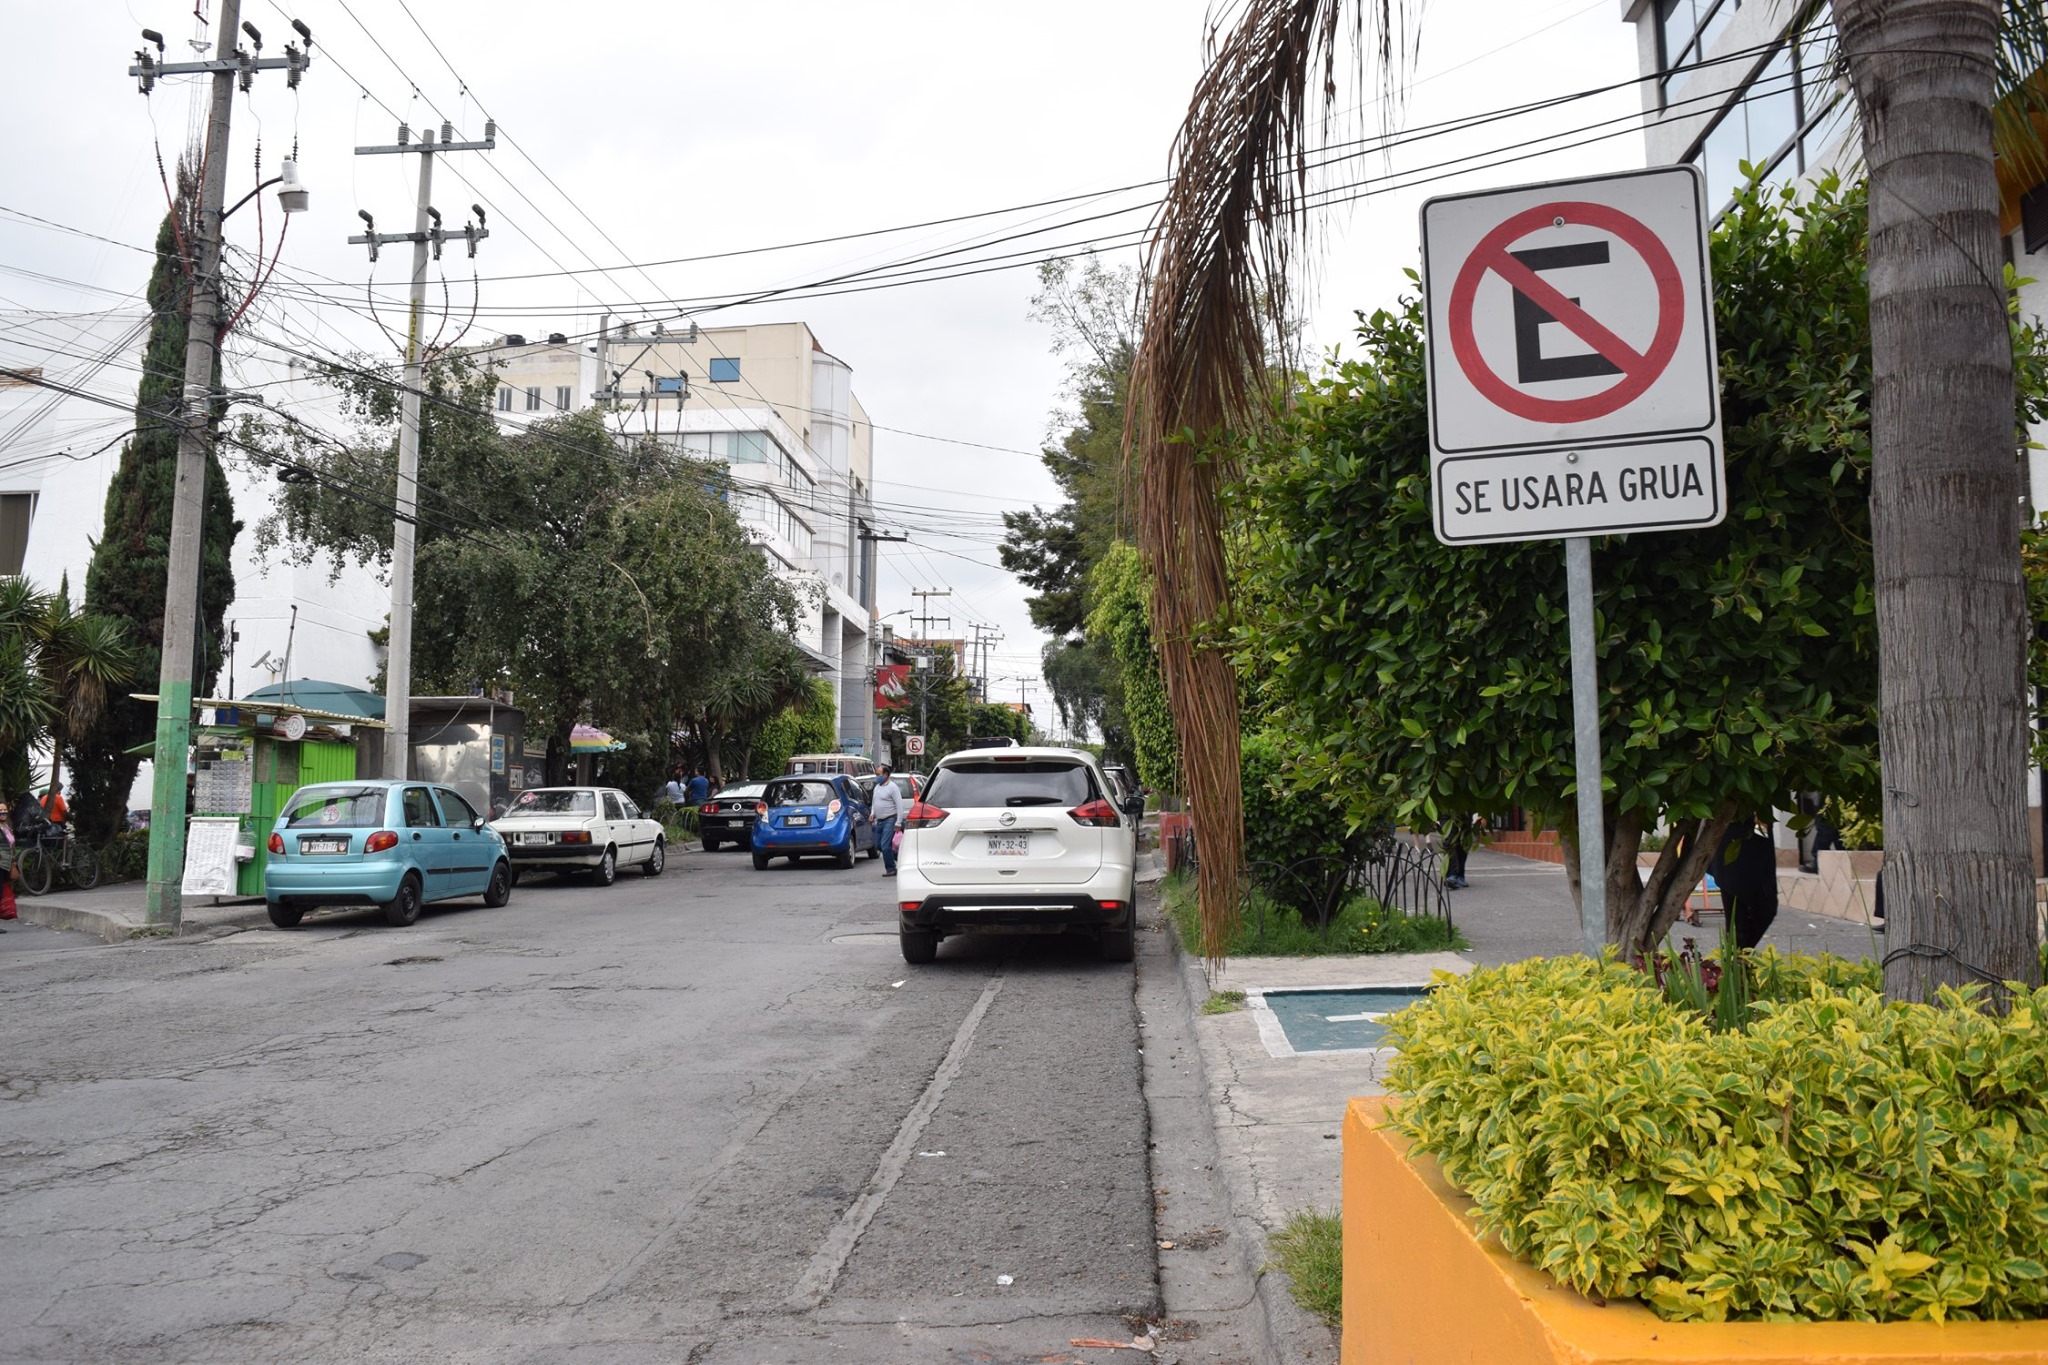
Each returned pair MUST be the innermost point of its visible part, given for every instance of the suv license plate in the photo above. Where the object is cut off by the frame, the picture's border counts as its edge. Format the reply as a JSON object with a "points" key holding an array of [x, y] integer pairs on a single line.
{"points": [[1017, 845], [323, 845]]}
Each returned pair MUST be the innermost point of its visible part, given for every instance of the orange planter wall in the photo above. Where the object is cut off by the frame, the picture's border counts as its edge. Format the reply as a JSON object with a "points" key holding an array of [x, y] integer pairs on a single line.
{"points": [[1421, 1289]]}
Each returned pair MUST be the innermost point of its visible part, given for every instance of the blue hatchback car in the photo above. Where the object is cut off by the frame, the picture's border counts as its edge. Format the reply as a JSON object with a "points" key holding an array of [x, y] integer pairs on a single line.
{"points": [[396, 845], [805, 816]]}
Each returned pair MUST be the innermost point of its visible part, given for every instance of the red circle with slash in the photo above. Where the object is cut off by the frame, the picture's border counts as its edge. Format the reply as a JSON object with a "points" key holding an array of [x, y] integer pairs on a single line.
{"points": [[1639, 369]]}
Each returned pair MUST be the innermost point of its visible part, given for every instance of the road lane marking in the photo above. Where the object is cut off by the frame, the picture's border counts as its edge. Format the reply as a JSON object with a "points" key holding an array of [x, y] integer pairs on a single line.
{"points": [[838, 1245]]}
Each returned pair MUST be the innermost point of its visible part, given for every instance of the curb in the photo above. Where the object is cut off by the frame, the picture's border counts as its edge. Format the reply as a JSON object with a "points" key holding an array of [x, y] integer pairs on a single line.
{"points": [[113, 928], [1293, 1335]]}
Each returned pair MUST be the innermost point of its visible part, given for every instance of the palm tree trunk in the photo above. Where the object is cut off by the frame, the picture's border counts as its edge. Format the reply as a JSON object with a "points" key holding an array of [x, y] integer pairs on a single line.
{"points": [[1945, 500]]}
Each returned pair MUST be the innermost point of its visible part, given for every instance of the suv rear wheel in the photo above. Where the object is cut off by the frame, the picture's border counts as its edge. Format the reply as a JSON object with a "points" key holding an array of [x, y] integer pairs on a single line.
{"points": [[1120, 945], [919, 945]]}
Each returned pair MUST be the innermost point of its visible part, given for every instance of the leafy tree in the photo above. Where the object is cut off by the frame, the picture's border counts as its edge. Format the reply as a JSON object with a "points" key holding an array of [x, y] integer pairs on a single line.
{"points": [[1121, 619], [57, 669], [595, 580], [131, 559], [1736, 663], [1091, 313], [806, 726], [1943, 89]]}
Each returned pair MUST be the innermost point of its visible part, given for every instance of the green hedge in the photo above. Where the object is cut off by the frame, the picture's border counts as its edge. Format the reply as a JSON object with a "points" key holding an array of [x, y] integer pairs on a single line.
{"points": [[1840, 1158]]}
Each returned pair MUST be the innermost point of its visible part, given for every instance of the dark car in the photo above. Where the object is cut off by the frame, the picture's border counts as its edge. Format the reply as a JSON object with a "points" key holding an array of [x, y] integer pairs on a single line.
{"points": [[728, 817]]}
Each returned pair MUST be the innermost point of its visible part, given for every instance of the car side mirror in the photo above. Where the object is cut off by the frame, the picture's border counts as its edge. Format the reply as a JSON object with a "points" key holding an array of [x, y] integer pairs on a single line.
{"points": [[1134, 806], [478, 824]]}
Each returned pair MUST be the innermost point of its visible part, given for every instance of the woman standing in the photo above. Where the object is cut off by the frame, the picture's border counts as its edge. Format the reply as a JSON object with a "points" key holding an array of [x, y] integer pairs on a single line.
{"points": [[7, 906]]}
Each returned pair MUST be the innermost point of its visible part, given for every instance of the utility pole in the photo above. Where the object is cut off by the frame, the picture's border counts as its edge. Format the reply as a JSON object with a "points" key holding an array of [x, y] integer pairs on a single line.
{"points": [[426, 232], [985, 638], [924, 596], [182, 612]]}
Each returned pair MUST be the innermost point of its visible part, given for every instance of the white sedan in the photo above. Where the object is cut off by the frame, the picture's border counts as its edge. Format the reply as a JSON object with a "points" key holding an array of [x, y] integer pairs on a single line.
{"points": [[592, 830]]}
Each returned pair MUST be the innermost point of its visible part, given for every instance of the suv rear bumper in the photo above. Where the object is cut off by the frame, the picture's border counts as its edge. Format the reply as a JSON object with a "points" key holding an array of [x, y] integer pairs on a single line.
{"points": [[1012, 910]]}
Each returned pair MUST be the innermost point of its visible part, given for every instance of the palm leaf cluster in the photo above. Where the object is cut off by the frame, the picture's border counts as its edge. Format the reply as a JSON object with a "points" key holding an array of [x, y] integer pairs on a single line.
{"points": [[58, 668]]}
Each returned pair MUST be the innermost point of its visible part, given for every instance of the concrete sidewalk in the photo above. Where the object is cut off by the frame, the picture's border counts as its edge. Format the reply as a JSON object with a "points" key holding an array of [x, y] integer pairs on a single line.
{"points": [[114, 913], [1278, 1117]]}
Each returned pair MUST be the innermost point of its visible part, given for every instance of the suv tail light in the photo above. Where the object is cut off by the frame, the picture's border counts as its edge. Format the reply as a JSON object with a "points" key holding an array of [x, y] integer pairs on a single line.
{"points": [[923, 816], [1097, 812], [277, 843], [380, 841]]}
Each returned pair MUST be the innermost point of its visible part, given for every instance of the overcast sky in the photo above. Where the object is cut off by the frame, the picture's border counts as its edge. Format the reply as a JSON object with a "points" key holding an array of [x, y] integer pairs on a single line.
{"points": [[656, 131]]}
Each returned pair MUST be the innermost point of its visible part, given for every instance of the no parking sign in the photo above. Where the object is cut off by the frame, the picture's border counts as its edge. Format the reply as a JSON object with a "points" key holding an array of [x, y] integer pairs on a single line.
{"points": [[1573, 379]]}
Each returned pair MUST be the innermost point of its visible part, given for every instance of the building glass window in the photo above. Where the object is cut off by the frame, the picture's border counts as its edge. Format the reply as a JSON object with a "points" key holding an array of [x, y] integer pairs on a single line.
{"points": [[2034, 219], [504, 400], [1687, 30], [17, 510], [562, 397], [725, 370], [1777, 122], [533, 398]]}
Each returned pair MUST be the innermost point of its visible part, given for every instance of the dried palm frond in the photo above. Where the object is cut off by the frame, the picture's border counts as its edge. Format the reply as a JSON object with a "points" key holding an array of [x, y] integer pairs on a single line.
{"points": [[1220, 261]]}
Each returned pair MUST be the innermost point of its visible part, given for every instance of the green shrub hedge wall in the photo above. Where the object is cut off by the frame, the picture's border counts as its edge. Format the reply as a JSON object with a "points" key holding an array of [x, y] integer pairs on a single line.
{"points": [[1842, 1158]]}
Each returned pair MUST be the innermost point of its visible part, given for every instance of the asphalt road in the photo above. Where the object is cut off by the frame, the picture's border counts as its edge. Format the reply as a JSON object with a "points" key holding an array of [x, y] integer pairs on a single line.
{"points": [[711, 1117]]}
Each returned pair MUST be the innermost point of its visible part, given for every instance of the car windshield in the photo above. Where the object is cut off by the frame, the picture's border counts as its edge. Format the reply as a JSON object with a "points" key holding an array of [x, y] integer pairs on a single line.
{"points": [[799, 793], [740, 789], [555, 802], [337, 808], [995, 782]]}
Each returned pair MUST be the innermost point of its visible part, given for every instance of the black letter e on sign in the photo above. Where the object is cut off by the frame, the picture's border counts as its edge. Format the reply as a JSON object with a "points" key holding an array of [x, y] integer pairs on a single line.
{"points": [[1531, 365]]}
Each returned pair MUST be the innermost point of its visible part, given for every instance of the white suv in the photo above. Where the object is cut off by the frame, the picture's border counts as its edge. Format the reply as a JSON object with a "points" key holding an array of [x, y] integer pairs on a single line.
{"points": [[1018, 841]]}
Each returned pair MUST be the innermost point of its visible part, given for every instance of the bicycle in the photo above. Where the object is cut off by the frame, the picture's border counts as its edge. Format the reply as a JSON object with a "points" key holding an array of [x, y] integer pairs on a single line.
{"points": [[40, 860]]}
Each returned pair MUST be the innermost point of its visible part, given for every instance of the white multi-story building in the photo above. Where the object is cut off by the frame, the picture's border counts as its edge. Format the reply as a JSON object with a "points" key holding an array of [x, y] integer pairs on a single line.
{"points": [[779, 411], [60, 447]]}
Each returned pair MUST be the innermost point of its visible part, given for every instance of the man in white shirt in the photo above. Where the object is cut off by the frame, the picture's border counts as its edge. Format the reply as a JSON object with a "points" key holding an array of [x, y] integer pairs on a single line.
{"points": [[885, 808]]}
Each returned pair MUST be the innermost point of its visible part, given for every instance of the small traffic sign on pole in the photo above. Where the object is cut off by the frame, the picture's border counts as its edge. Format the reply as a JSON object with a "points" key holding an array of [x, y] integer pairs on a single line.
{"points": [[913, 745], [1574, 391], [1573, 384]]}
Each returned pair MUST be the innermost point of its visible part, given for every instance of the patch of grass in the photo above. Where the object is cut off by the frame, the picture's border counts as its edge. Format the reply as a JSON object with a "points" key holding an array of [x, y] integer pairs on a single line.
{"points": [[1266, 928], [1223, 1002], [1310, 1249]]}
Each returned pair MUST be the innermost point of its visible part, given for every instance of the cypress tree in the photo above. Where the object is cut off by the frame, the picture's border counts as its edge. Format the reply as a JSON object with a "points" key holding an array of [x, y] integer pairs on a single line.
{"points": [[131, 560]]}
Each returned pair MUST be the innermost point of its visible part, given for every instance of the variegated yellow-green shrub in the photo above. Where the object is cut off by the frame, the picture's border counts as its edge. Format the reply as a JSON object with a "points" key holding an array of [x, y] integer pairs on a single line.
{"points": [[1839, 1158]]}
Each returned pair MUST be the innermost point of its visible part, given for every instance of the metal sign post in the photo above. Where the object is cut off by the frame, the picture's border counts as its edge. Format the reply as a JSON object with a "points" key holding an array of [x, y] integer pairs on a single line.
{"points": [[1578, 586], [1574, 391]]}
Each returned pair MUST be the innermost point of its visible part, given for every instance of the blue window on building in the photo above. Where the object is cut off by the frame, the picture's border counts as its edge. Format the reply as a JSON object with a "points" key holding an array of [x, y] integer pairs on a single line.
{"points": [[725, 370]]}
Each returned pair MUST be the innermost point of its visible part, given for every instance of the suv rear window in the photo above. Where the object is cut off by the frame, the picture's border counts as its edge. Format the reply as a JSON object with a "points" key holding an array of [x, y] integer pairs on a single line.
{"points": [[800, 794], [337, 808], [993, 782]]}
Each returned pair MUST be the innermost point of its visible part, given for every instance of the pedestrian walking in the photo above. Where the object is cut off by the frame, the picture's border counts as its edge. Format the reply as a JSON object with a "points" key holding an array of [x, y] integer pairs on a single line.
{"points": [[7, 905], [700, 788], [885, 808], [1457, 843], [1746, 870]]}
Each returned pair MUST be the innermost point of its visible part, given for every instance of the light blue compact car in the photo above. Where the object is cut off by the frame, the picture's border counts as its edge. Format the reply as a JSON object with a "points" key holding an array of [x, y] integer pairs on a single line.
{"points": [[396, 845]]}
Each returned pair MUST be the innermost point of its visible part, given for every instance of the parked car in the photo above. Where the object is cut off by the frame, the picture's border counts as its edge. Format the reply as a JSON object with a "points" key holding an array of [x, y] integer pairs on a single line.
{"points": [[397, 845], [910, 785], [1018, 840], [800, 817], [728, 817], [590, 830]]}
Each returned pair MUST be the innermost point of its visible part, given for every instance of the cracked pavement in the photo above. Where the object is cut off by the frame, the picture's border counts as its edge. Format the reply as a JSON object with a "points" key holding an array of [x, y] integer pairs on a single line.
{"points": [[595, 1124]]}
